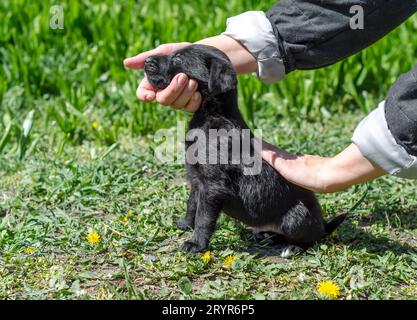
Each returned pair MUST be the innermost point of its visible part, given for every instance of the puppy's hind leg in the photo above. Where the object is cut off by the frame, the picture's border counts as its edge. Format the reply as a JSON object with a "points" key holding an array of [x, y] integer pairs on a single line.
{"points": [[267, 236], [290, 250], [302, 226], [187, 222], [207, 213]]}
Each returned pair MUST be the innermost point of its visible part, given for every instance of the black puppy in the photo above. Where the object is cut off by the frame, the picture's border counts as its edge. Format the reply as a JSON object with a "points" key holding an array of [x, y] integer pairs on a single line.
{"points": [[265, 201]]}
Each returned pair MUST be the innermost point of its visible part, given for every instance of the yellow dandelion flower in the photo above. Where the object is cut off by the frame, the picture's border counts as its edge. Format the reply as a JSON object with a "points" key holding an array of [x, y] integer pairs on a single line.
{"points": [[125, 219], [102, 294], [329, 289], [29, 250], [93, 237], [229, 260], [130, 213], [94, 125], [206, 257]]}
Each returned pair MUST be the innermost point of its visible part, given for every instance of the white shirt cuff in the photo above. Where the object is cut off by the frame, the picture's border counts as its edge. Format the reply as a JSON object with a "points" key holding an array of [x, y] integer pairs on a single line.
{"points": [[255, 32], [376, 143]]}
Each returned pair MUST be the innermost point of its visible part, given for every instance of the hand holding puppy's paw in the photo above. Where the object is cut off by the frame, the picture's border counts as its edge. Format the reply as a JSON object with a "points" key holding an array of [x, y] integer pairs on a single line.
{"points": [[193, 247], [184, 224]]}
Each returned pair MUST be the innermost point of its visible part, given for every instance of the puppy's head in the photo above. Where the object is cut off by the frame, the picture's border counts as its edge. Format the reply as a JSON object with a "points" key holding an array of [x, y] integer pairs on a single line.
{"points": [[207, 65]]}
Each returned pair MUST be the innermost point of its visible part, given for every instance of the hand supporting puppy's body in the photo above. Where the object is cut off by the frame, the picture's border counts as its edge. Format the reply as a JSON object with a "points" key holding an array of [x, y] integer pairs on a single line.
{"points": [[265, 200]]}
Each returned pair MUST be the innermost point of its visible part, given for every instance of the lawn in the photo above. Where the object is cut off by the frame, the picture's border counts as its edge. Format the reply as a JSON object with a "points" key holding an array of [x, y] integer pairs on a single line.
{"points": [[76, 160]]}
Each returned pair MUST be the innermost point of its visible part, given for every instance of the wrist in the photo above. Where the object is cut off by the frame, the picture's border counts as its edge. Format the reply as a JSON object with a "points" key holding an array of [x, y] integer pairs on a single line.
{"points": [[242, 60], [348, 168]]}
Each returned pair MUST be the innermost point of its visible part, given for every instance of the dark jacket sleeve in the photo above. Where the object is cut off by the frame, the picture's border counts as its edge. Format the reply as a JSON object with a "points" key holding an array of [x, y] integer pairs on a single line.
{"points": [[401, 111], [316, 33], [309, 34], [388, 135]]}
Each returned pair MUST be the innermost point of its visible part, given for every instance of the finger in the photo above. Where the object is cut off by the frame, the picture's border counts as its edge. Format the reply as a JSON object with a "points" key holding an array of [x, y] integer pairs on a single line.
{"points": [[146, 92], [167, 96], [138, 61], [194, 103], [185, 95], [273, 159]]}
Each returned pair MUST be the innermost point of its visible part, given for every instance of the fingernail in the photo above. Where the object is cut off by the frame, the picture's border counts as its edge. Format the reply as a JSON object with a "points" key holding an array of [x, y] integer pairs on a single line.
{"points": [[182, 79], [192, 85], [196, 96], [149, 97]]}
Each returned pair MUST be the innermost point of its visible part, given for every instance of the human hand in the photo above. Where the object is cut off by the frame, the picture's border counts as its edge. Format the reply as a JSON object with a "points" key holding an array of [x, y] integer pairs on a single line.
{"points": [[180, 94], [322, 174]]}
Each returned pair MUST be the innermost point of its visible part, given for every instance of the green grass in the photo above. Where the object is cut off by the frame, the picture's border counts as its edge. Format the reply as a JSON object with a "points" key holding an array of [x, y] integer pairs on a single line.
{"points": [[75, 75], [51, 203], [60, 177]]}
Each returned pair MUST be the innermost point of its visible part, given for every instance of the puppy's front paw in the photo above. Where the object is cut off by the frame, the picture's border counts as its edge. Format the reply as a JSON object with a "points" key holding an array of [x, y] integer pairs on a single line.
{"points": [[184, 224], [193, 247]]}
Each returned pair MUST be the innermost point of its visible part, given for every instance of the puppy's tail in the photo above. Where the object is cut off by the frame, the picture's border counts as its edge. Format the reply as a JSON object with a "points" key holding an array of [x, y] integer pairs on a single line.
{"points": [[332, 225]]}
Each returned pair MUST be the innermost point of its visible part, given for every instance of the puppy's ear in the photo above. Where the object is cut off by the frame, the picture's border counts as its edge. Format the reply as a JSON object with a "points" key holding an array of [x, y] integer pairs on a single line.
{"points": [[222, 78]]}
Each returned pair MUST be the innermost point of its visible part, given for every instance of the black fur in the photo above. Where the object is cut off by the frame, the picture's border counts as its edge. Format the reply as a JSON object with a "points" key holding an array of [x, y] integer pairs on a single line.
{"points": [[265, 201]]}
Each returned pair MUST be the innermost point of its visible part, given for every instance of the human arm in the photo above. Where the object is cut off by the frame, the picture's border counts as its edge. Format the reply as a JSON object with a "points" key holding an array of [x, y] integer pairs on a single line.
{"points": [[311, 35], [323, 174], [291, 35], [385, 142]]}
